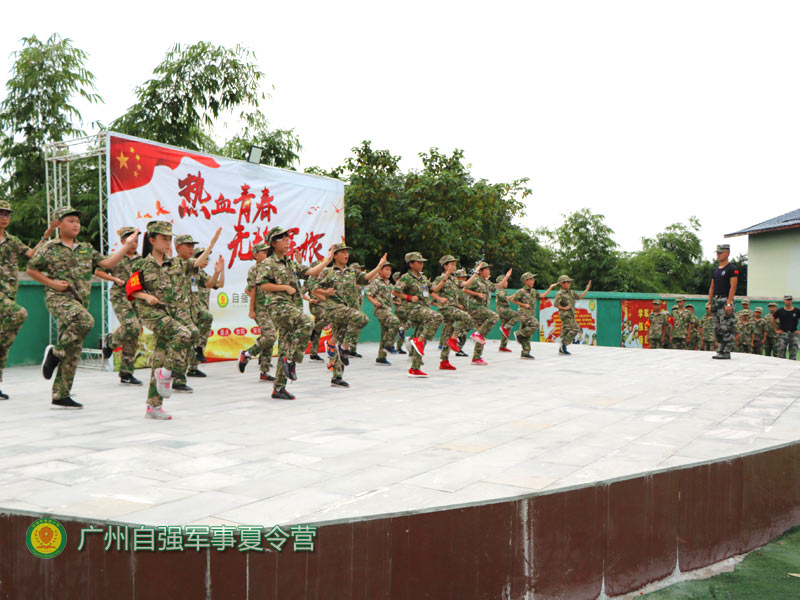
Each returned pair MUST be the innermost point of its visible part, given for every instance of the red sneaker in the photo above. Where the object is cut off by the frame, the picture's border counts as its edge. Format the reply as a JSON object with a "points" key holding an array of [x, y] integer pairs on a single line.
{"points": [[452, 343], [416, 373], [479, 362], [504, 350], [419, 345], [505, 331], [446, 366], [478, 338]]}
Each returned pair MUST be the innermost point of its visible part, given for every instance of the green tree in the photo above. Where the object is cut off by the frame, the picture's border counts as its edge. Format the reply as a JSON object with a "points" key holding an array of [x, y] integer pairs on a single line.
{"points": [[38, 110], [281, 146]]}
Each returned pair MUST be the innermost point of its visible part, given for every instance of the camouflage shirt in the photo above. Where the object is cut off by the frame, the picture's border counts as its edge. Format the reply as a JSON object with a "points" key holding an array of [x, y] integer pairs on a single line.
{"points": [[482, 286], [11, 250], [123, 270], [201, 295], [770, 329], [450, 290], [681, 321], [526, 296], [415, 285], [166, 281], [745, 332], [254, 276], [657, 322], [759, 327], [565, 300], [345, 282], [282, 271], [501, 298], [74, 265], [707, 323], [381, 290]]}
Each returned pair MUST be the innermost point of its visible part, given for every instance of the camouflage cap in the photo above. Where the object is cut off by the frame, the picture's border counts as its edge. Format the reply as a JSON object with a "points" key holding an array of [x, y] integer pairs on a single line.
{"points": [[745, 302], [184, 239], [447, 258], [340, 247], [499, 278], [396, 275], [745, 313], [356, 265], [411, 256], [690, 307], [6, 205], [124, 232], [387, 264], [274, 233], [461, 273], [758, 309], [198, 250], [259, 247], [723, 247], [657, 301], [787, 297], [680, 299], [482, 265], [162, 227], [65, 211], [527, 275], [674, 308], [775, 304], [564, 278]]}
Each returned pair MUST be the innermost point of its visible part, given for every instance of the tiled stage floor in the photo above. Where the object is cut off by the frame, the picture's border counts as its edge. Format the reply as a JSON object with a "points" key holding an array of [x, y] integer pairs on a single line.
{"points": [[388, 444]]}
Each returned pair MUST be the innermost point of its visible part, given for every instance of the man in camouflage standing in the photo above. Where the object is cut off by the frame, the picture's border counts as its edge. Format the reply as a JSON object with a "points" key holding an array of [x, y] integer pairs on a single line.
{"points": [[379, 293], [12, 315], [682, 323], [447, 292], [265, 343], [759, 330], [413, 289], [659, 324], [721, 293], [65, 266], [508, 316], [527, 298], [707, 330], [770, 340], [565, 302]]}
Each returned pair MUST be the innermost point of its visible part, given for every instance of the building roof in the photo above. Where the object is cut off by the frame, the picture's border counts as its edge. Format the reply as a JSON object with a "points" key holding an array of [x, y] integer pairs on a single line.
{"points": [[789, 220]]}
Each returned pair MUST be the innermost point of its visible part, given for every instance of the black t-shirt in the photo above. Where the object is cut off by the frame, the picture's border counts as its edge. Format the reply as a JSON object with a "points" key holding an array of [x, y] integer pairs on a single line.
{"points": [[722, 279], [787, 319]]}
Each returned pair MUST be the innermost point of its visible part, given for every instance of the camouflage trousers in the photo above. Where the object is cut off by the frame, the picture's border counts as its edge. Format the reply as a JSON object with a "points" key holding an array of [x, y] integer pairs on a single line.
{"points": [[265, 343], [172, 339], [12, 316], [528, 325], [724, 325], [425, 322], [321, 321], [390, 324], [679, 343], [202, 320], [786, 342], [656, 343], [127, 334], [483, 319], [770, 346], [400, 313], [185, 317], [455, 322], [294, 330], [757, 347], [693, 341], [746, 348], [74, 324], [347, 324], [708, 345], [569, 326], [508, 318]]}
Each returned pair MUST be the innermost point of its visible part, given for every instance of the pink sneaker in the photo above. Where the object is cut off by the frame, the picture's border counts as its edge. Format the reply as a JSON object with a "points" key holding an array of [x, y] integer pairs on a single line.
{"points": [[479, 362], [163, 383], [157, 413], [419, 345], [478, 338]]}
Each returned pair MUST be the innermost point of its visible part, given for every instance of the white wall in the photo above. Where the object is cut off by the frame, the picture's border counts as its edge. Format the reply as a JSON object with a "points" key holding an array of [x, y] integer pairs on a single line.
{"points": [[773, 261]]}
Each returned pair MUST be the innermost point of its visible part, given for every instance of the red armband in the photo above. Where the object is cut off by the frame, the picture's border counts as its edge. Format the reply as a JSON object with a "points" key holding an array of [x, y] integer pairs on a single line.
{"points": [[134, 284], [408, 297]]}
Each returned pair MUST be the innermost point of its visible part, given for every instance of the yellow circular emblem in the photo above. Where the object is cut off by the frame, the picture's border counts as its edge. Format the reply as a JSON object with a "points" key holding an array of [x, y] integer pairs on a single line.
{"points": [[46, 538], [222, 299]]}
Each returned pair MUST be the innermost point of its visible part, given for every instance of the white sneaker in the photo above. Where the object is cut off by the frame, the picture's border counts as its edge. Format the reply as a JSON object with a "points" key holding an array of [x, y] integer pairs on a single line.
{"points": [[157, 413], [163, 383]]}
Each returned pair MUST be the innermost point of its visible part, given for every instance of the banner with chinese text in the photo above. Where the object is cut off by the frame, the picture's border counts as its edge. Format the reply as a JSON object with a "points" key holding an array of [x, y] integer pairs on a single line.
{"points": [[585, 315], [635, 323], [199, 193]]}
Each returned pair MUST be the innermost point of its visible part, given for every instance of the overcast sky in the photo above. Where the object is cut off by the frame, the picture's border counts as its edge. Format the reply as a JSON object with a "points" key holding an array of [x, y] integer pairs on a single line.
{"points": [[645, 112]]}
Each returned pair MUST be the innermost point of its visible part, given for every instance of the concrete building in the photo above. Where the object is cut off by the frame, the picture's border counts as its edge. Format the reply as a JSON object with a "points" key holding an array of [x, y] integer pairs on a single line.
{"points": [[773, 256]]}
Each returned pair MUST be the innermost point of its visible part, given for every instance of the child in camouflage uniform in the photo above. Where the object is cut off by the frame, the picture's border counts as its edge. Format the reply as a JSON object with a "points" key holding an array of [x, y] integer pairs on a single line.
{"points": [[461, 275], [379, 293], [743, 337], [565, 301], [707, 330], [184, 254], [65, 267], [265, 343], [659, 323], [759, 330], [508, 316], [399, 311], [479, 293], [413, 289], [694, 333], [12, 315], [770, 341], [681, 325], [527, 298], [446, 291], [202, 285]]}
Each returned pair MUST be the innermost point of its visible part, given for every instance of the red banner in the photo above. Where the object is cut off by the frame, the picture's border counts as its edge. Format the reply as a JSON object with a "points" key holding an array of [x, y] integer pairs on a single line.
{"points": [[635, 323]]}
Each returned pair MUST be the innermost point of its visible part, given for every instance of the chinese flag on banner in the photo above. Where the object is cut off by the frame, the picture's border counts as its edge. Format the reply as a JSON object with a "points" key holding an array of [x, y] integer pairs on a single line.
{"points": [[133, 162]]}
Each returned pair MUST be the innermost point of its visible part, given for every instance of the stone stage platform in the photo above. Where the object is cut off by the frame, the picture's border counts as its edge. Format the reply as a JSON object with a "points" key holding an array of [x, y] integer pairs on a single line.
{"points": [[563, 477]]}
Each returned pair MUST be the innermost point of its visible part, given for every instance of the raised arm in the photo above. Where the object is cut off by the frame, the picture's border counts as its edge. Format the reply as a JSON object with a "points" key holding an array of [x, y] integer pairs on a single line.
{"points": [[111, 261]]}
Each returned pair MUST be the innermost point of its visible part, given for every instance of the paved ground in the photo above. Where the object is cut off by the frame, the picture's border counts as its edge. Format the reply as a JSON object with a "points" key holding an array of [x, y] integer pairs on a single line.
{"points": [[389, 443]]}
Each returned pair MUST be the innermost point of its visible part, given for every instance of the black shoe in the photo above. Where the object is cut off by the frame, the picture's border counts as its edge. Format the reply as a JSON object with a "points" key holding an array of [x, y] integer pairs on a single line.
{"points": [[3, 396], [282, 394], [316, 357], [517, 337], [390, 349], [354, 354], [401, 351], [244, 356], [66, 403], [343, 356], [107, 349], [266, 377], [527, 355], [461, 353], [383, 361], [288, 369], [195, 373], [563, 350], [181, 387], [129, 379], [339, 382], [722, 355], [198, 352], [50, 362]]}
